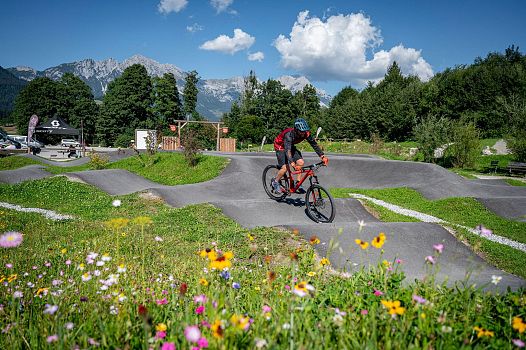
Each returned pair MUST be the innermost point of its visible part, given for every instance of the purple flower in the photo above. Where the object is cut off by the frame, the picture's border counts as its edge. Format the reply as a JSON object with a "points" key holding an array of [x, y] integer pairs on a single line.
{"points": [[518, 343], [430, 259], [200, 299], [93, 342], [236, 285], [483, 231], [419, 299], [225, 274], [202, 342], [50, 309], [378, 292], [11, 239], [438, 248], [192, 334]]}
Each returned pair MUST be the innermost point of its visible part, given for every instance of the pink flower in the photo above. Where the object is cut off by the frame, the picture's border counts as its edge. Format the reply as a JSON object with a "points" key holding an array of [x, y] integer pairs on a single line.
{"points": [[438, 248], [68, 262], [205, 324], [168, 346], [364, 312], [398, 261], [192, 334], [160, 335], [419, 299], [162, 301], [202, 342], [200, 309], [93, 342], [483, 231], [287, 287], [378, 292], [266, 308], [429, 259], [11, 239], [200, 299], [52, 338], [9, 266], [519, 343]]}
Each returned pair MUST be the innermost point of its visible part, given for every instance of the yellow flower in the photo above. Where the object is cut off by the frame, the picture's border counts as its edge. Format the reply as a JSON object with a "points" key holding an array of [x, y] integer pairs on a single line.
{"points": [[423, 315], [2, 279], [481, 332], [393, 307], [63, 250], [11, 278], [519, 325], [161, 327], [314, 240], [117, 223], [240, 322], [324, 262], [362, 244], [142, 220], [378, 241], [222, 261], [311, 273], [42, 290], [217, 329], [203, 282], [250, 237]]}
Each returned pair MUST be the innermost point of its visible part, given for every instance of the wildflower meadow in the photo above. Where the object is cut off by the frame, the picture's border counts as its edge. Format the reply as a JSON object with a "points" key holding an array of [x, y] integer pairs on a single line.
{"points": [[129, 272]]}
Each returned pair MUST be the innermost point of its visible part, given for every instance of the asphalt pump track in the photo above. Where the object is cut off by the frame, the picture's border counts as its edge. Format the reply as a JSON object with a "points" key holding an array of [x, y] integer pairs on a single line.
{"points": [[238, 191]]}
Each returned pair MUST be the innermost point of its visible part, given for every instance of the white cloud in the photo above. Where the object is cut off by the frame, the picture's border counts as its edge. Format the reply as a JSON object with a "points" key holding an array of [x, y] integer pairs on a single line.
{"points": [[167, 6], [194, 28], [337, 49], [226, 44], [221, 5], [256, 56]]}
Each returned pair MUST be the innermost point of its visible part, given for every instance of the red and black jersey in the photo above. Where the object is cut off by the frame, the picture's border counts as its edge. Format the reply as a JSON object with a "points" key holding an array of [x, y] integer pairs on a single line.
{"points": [[287, 138]]}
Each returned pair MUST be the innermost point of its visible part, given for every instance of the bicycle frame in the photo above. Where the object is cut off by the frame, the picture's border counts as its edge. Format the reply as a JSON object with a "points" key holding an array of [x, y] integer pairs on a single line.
{"points": [[308, 172]]}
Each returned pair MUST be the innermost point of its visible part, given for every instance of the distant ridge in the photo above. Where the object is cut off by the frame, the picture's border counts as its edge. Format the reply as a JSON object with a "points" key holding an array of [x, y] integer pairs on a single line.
{"points": [[215, 95]]}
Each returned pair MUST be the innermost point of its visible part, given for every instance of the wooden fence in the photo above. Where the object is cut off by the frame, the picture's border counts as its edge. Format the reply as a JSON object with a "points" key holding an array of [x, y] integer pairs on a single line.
{"points": [[227, 145], [170, 143]]}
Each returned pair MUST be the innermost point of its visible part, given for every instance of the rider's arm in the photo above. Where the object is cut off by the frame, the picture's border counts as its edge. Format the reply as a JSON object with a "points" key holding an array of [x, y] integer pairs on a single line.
{"points": [[287, 144], [314, 145]]}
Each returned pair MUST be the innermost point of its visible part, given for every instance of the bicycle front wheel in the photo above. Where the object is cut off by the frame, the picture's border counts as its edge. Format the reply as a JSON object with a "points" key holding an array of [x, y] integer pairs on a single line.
{"points": [[270, 172], [320, 205]]}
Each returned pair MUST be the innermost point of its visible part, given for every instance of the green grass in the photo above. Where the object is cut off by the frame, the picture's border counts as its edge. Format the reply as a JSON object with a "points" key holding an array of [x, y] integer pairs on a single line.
{"points": [[163, 168], [157, 270], [514, 182], [15, 162]]}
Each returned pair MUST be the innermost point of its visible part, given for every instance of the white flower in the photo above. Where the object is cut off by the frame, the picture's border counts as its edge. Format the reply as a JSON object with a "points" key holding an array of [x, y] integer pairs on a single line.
{"points": [[18, 294], [495, 279], [100, 263], [121, 268], [116, 203], [122, 297], [86, 277], [114, 310], [92, 256], [158, 239], [260, 343], [286, 326], [105, 257], [103, 287], [69, 325]]}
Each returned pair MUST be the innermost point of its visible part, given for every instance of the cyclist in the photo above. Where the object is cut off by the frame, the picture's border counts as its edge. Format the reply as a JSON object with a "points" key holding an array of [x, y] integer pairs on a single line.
{"points": [[284, 145]]}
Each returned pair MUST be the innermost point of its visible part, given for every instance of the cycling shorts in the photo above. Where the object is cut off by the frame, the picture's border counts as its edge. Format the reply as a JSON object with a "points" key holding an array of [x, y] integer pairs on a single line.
{"points": [[282, 156]]}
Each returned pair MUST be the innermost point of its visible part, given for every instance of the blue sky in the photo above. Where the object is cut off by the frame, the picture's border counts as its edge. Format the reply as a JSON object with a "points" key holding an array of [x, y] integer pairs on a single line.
{"points": [[334, 43]]}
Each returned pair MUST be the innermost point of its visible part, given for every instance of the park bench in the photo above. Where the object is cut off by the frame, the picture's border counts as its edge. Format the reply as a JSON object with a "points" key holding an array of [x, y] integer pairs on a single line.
{"points": [[516, 168], [493, 167]]}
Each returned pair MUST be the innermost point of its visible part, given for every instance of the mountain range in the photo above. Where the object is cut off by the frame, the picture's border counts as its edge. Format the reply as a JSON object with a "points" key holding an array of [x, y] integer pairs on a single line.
{"points": [[215, 95]]}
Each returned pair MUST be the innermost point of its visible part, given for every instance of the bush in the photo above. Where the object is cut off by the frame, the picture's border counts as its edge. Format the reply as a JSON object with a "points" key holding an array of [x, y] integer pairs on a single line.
{"points": [[430, 134], [191, 148], [465, 148], [98, 161], [515, 109]]}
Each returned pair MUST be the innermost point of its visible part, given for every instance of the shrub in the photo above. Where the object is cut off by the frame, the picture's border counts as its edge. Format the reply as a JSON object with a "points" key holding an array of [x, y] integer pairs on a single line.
{"points": [[430, 134], [191, 148], [515, 109], [465, 148], [98, 161]]}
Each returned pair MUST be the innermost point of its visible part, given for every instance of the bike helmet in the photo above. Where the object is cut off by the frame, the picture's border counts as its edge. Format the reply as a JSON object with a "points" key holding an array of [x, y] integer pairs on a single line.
{"points": [[301, 125]]}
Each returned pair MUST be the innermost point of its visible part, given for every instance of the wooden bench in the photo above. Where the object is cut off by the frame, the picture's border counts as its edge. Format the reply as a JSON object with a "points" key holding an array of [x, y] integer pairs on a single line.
{"points": [[516, 168], [493, 167]]}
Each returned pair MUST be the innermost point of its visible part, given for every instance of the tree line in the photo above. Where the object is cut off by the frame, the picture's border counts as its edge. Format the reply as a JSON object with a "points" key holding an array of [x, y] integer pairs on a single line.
{"points": [[132, 101]]}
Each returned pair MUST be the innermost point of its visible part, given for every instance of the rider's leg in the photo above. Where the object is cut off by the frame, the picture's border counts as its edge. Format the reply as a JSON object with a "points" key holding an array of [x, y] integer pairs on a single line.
{"points": [[281, 172], [300, 162]]}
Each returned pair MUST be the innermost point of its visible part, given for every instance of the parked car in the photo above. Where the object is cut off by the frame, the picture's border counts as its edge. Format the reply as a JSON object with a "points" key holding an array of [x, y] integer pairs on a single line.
{"points": [[69, 142], [23, 140]]}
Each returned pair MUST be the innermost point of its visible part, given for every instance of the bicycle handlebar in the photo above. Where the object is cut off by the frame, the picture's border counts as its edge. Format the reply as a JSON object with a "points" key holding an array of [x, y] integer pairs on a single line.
{"points": [[313, 166]]}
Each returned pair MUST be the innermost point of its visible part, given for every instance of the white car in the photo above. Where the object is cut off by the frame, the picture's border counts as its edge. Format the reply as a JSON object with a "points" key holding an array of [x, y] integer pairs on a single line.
{"points": [[69, 142]]}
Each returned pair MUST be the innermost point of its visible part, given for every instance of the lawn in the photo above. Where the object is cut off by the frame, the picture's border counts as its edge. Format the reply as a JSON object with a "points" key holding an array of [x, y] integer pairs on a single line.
{"points": [[139, 274]]}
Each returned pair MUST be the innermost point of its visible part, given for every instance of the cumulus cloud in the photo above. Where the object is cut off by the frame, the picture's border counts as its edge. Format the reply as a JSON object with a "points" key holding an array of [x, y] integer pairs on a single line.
{"points": [[194, 28], [221, 5], [167, 6], [336, 49], [223, 43], [256, 56]]}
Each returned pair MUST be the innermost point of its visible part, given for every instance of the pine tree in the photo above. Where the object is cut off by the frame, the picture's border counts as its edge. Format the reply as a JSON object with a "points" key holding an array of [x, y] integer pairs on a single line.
{"points": [[190, 93]]}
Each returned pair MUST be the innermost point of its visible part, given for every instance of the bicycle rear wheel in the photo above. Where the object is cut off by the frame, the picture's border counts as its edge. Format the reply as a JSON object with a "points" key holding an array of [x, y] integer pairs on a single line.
{"points": [[270, 172], [320, 205]]}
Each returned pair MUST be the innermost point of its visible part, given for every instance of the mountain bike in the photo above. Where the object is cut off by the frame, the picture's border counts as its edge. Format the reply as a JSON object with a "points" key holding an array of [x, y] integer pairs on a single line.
{"points": [[319, 202]]}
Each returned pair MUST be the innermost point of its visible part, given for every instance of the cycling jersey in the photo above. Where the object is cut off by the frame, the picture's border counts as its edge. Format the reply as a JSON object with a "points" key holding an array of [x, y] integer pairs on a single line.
{"points": [[286, 140]]}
